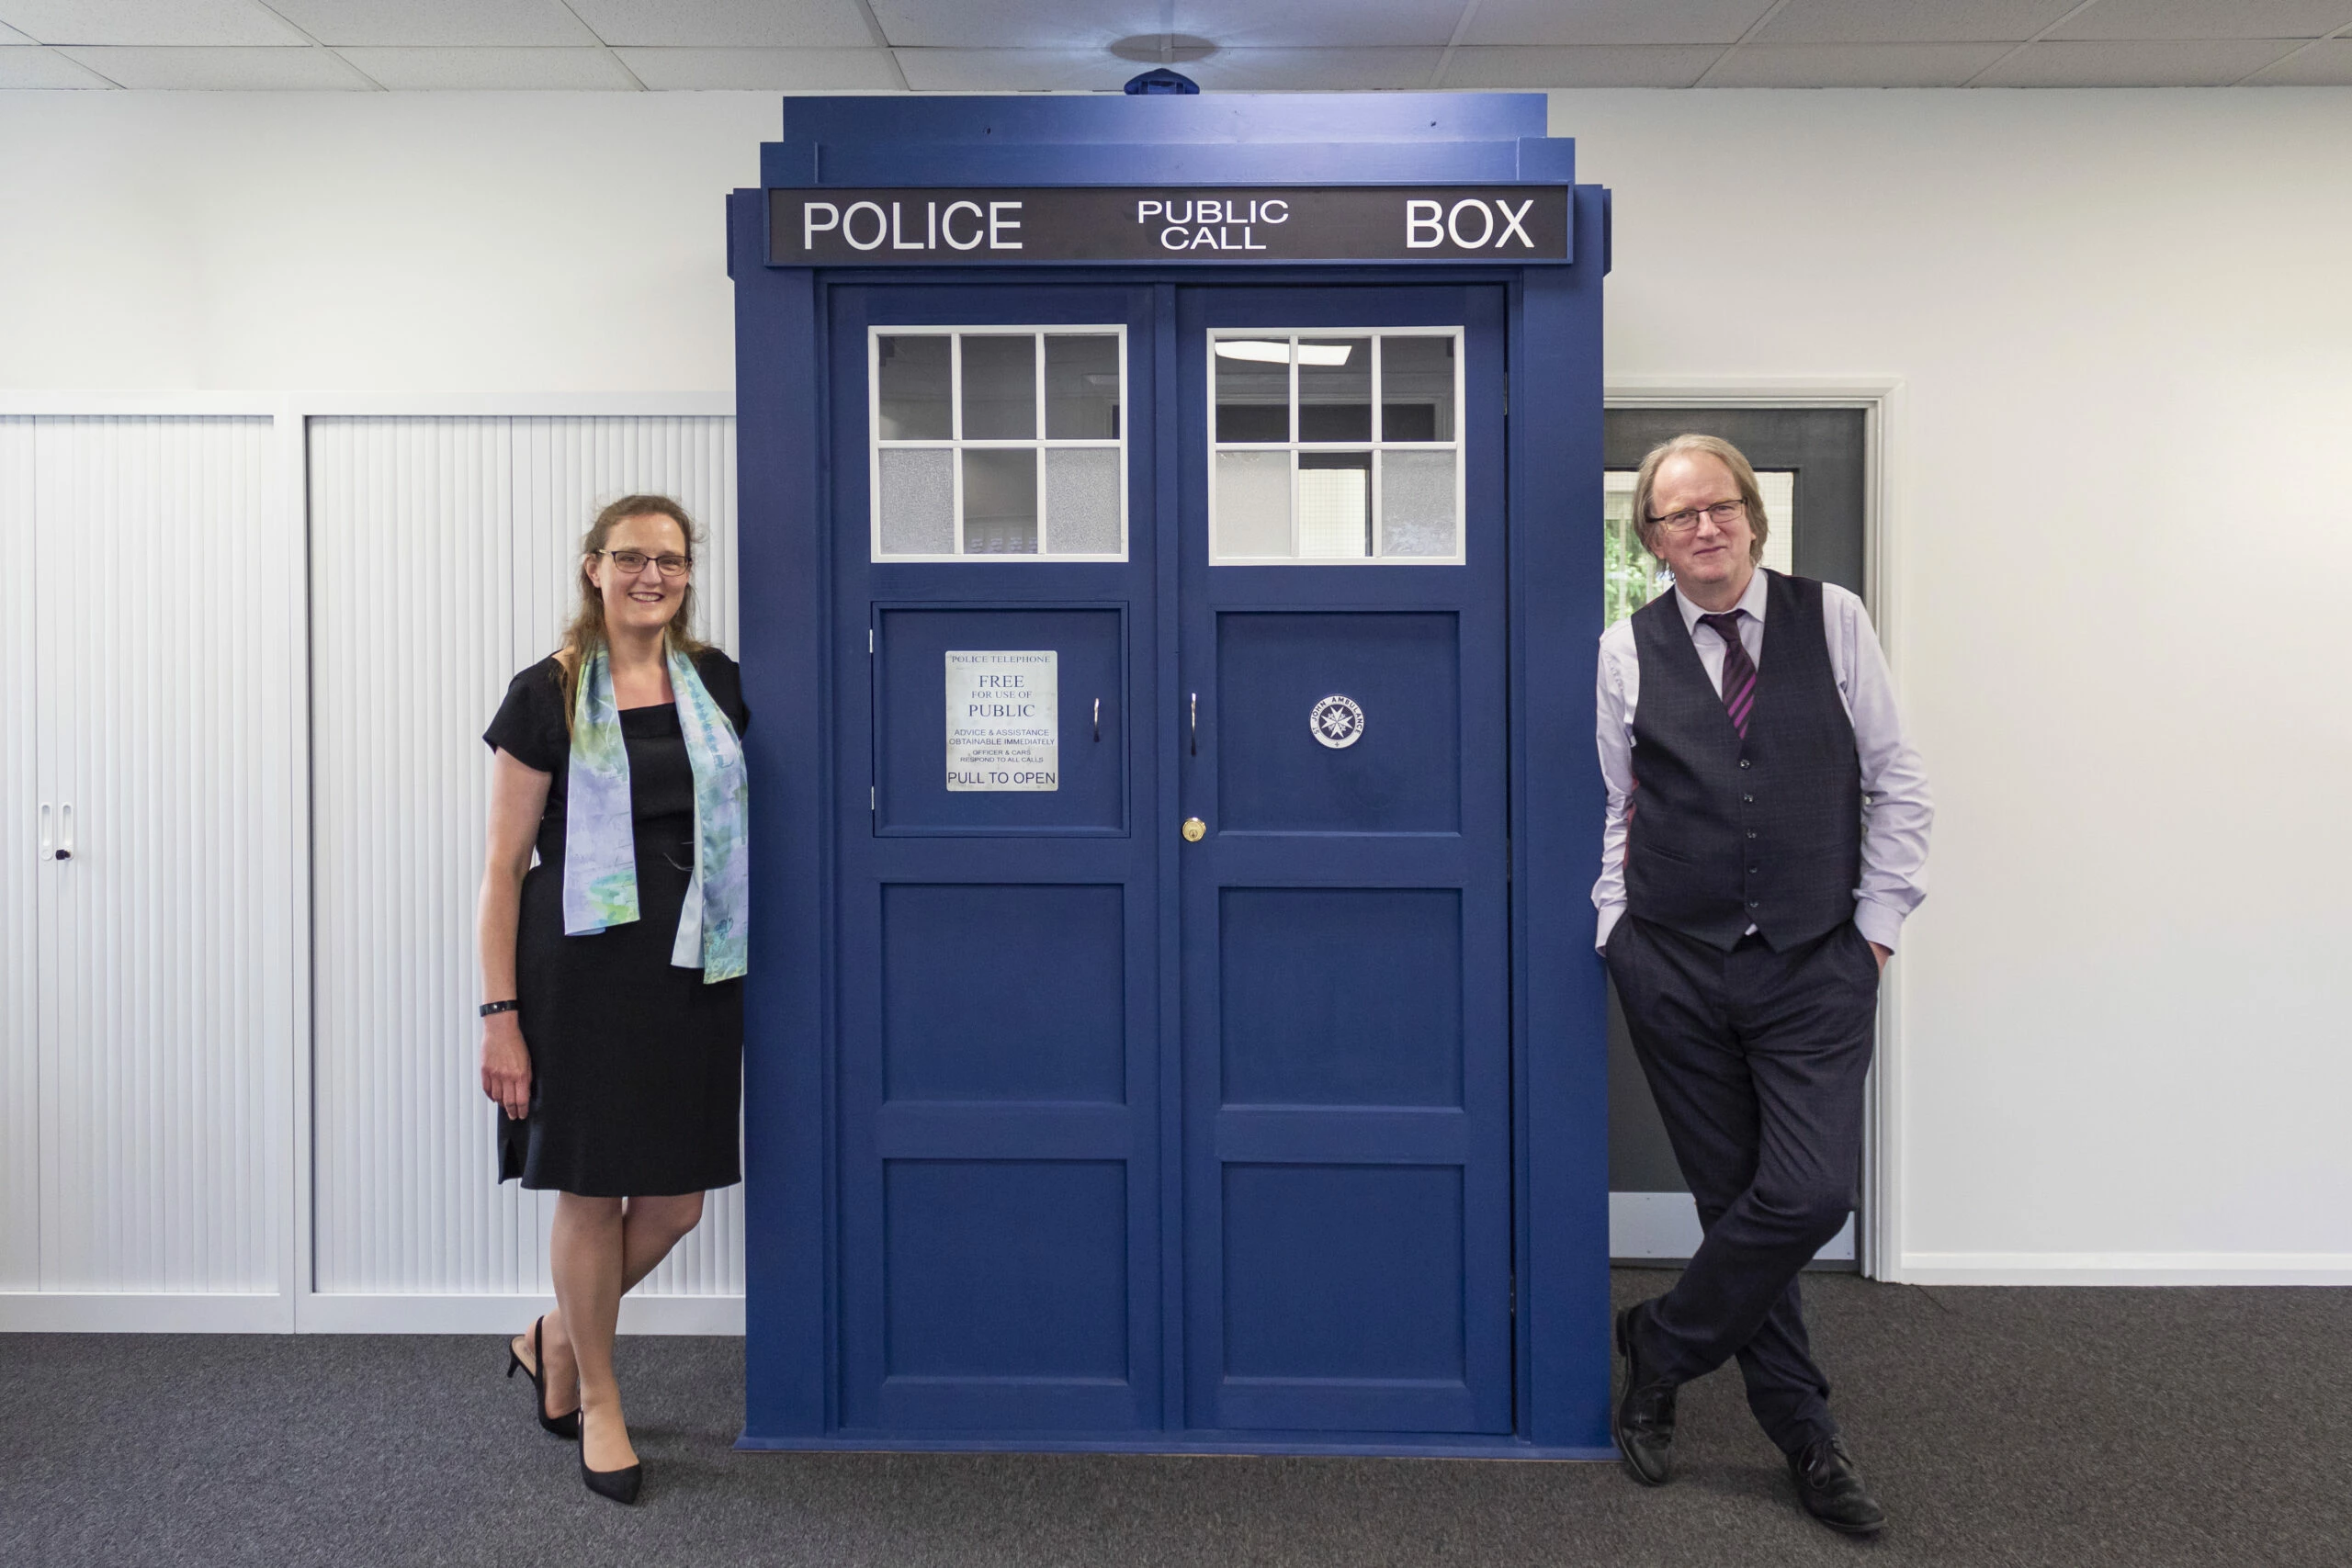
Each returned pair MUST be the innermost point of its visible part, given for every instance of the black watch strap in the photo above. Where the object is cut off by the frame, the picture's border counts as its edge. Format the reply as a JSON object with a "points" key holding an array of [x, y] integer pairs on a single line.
{"points": [[488, 1007]]}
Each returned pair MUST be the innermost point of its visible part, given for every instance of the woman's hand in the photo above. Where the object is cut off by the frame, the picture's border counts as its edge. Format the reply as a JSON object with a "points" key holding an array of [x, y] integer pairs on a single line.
{"points": [[506, 1065]]}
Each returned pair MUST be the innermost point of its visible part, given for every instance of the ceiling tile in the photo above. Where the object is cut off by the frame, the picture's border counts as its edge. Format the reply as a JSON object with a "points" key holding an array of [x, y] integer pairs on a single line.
{"points": [[1612, 21], [1855, 64], [2209, 19], [414, 24], [2325, 64], [222, 70], [2126, 64], [148, 22], [39, 68], [1020, 24], [1908, 21], [1016, 70], [725, 24], [1318, 24], [763, 70], [1311, 70], [431, 70], [10, 37], [1603, 65]]}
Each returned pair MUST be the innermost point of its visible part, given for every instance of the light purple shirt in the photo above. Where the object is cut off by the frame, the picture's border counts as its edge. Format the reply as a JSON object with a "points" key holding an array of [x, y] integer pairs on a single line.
{"points": [[1896, 808]]}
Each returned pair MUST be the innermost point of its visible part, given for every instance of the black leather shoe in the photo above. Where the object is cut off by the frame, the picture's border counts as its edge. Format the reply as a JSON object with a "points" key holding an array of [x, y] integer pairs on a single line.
{"points": [[1832, 1490], [1645, 1417]]}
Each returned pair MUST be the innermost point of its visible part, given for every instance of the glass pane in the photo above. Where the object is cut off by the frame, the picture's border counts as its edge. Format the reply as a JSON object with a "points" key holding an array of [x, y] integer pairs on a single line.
{"points": [[1083, 389], [1416, 388], [1252, 504], [918, 501], [1417, 514], [1334, 505], [1630, 578], [1001, 502], [1000, 389], [912, 387], [1335, 390], [1253, 393], [1779, 488], [1082, 501]]}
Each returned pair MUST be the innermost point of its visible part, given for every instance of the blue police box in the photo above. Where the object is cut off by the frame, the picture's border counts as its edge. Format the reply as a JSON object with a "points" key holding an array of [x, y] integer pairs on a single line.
{"points": [[1171, 573]]}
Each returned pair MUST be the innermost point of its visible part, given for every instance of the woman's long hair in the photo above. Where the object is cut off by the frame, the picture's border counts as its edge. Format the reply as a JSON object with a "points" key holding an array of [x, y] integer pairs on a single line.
{"points": [[586, 632]]}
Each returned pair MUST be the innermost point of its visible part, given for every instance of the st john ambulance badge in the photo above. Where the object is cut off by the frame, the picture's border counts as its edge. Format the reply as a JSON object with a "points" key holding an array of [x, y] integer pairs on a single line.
{"points": [[1337, 722]]}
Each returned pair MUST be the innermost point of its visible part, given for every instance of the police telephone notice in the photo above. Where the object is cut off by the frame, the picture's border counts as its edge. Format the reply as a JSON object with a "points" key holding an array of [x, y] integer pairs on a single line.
{"points": [[1003, 720]]}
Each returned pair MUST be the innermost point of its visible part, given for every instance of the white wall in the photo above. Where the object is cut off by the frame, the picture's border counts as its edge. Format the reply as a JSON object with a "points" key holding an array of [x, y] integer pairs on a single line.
{"points": [[2124, 337]]}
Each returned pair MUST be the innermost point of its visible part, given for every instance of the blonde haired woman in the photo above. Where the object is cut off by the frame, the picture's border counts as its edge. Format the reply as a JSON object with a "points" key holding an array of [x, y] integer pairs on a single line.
{"points": [[613, 1010]]}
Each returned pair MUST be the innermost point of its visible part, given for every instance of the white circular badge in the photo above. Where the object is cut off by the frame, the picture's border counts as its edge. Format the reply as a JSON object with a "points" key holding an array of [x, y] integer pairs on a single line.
{"points": [[1337, 722]]}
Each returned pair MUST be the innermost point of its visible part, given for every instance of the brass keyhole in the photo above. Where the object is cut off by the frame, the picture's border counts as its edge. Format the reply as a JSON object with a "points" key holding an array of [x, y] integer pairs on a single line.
{"points": [[1194, 830]]}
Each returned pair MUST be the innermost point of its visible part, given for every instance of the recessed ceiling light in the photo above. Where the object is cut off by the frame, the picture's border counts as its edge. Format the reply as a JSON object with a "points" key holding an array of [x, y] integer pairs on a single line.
{"points": [[1278, 353]]}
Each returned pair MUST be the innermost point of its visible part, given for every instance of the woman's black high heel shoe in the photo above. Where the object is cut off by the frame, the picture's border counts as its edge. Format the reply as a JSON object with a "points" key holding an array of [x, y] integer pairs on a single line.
{"points": [[620, 1486], [566, 1426]]}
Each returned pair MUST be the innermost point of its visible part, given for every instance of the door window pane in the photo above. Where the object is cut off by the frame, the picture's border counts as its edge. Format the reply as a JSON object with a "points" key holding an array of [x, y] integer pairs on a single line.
{"points": [[1000, 389], [1416, 388], [1081, 388], [1335, 504], [1253, 389], [913, 378], [960, 467], [1416, 507], [1000, 501], [1253, 503], [1335, 389], [917, 502], [1082, 499]]}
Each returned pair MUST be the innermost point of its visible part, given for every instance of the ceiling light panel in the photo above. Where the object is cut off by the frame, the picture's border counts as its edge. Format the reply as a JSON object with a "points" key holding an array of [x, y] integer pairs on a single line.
{"points": [[224, 70], [1627, 65], [1908, 21], [2214, 63], [763, 70], [423, 24], [726, 24], [442, 69], [2208, 20], [1613, 21], [153, 22], [1855, 64]]}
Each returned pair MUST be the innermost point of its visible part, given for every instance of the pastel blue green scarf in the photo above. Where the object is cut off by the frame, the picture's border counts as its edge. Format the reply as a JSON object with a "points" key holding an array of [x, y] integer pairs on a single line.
{"points": [[600, 828]]}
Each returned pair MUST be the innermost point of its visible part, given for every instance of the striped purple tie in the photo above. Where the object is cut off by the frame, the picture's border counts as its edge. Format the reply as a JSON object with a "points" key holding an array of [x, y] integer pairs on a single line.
{"points": [[1740, 671]]}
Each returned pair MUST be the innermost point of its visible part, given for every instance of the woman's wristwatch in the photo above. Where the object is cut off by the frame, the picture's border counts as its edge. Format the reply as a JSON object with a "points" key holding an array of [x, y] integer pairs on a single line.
{"points": [[488, 1007]]}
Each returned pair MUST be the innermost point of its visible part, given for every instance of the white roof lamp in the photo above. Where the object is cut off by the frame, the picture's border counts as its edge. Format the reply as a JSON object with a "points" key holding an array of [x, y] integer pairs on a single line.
{"points": [[1277, 353]]}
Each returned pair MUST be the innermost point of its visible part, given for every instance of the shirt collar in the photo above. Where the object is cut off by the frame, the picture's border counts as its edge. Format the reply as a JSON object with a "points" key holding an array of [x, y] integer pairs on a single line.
{"points": [[1752, 601]]}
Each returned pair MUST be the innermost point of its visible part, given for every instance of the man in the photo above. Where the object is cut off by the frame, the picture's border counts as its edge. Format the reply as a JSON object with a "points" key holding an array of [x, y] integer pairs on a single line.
{"points": [[1768, 824]]}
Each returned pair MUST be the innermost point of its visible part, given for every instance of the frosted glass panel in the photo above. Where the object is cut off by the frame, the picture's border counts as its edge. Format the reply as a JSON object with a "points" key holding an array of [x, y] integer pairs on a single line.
{"points": [[1252, 504], [1081, 389], [1000, 389], [912, 375], [1082, 499], [1001, 502], [1417, 515], [918, 501], [1334, 505]]}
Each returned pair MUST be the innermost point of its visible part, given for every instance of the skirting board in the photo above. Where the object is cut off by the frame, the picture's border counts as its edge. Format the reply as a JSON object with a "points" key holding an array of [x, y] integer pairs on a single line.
{"points": [[33, 1312], [2125, 1269], [1664, 1226]]}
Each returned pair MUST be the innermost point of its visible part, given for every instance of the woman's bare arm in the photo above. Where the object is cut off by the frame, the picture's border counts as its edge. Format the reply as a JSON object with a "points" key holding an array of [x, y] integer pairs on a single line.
{"points": [[518, 796]]}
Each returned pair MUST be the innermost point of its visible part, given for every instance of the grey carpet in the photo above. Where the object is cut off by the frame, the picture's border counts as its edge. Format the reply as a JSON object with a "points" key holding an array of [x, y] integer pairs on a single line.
{"points": [[2064, 1426]]}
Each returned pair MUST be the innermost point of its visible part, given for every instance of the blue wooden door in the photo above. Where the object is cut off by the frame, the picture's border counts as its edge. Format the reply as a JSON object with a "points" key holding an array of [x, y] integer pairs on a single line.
{"points": [[997, 1227], [1345, 945]]}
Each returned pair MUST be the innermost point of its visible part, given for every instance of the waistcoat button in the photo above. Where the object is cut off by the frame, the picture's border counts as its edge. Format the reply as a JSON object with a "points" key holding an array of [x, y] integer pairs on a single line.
{"points": [[1742, 761]]}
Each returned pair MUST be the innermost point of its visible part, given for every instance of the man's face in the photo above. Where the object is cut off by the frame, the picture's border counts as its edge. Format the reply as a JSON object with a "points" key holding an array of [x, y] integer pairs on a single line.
{"points": [[1713, 554]]}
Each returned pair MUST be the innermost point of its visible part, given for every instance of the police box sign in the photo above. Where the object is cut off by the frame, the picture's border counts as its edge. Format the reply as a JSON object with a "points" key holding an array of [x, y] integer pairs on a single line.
{"points": [[1298, 223]]}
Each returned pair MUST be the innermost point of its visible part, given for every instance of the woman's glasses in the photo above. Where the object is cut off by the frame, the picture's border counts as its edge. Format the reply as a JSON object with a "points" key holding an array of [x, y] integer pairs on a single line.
{"points": [[631, 562]]}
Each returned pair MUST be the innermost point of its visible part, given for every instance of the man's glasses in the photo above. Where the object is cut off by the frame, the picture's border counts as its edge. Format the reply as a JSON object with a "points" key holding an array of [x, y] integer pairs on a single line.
{"points": [[631, 562], [1721, 515]]}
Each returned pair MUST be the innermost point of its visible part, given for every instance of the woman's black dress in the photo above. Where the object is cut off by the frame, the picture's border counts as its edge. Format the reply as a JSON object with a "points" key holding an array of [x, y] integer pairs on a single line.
{"points": [[637, 1065]]}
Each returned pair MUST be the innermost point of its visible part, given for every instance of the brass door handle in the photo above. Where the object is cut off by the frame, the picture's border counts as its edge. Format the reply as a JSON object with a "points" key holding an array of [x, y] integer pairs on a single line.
{"points": [[1194, 830]]}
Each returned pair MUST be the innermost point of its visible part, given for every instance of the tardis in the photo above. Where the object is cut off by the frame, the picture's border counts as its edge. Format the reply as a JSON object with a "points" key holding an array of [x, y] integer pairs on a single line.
{"points": [[1171, 575]]}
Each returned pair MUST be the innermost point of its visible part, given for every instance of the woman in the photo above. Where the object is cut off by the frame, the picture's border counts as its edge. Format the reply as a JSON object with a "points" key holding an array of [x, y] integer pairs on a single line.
{"points": [[613, 1014]]}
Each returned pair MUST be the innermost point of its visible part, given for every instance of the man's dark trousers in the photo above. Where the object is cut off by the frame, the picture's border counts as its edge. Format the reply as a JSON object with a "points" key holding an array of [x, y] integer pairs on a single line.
{"points": [[1757, 1061]]}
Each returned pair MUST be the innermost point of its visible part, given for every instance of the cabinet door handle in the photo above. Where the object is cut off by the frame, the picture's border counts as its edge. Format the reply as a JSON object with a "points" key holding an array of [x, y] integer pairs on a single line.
{"points": [[65, 835], [44, 831]]}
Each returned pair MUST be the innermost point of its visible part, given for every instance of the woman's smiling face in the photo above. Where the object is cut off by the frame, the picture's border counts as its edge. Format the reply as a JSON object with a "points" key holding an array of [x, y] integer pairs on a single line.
{"points": [[646, 600]]}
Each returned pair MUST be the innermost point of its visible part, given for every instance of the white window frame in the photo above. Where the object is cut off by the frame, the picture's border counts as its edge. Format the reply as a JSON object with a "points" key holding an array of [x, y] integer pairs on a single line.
{"points": [[958, 445], [1377, 446]]}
